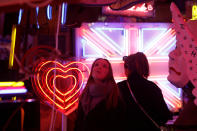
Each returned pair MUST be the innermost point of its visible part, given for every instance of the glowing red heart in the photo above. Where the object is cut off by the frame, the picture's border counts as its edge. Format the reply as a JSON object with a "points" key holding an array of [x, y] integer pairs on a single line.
{"points": [[60, 85]]}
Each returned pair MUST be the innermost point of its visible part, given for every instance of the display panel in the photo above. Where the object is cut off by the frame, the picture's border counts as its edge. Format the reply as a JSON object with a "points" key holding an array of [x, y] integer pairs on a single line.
{"points": [[115, 40]]}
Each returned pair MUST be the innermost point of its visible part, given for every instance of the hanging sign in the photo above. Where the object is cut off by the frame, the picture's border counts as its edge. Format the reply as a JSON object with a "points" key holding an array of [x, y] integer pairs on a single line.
{"points": [[138, 10]]}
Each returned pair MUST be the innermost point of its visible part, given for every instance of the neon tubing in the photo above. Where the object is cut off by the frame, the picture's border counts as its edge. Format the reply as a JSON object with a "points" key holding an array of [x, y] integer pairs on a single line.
{"points": [[14, 84], [64, 13], [14, 91], [49, 12], [20, 15], [13, 42]]}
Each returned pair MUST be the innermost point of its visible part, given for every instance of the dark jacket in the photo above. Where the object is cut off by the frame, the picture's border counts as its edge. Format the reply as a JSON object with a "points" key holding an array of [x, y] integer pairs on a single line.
{"points": [[149, 95], [187, 119], [100, 119]]}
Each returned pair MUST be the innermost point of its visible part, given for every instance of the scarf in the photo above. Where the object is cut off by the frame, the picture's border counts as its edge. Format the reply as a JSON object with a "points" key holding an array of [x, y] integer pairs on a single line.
{"points": [[95, 94]]}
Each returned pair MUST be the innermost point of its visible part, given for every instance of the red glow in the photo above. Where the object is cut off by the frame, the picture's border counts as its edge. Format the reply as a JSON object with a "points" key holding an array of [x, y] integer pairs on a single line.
{"points": [[142, 9], [60, 84]]}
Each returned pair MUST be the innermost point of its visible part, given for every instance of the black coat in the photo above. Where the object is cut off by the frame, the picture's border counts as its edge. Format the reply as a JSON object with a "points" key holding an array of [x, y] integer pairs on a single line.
{"points": [[101, 119], [187, 119], [149, 95]]}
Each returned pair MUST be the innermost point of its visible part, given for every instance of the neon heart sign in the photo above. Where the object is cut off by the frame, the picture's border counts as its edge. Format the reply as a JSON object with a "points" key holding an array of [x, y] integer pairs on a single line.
{"points": [[60, 85]]}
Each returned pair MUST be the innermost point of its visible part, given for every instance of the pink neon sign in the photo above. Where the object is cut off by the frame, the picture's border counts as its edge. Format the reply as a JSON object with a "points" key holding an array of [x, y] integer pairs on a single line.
{"points": [[60, 84], [141, 10]]}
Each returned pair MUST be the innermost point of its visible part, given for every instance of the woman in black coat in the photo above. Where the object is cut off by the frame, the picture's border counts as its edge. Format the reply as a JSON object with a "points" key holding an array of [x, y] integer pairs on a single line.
{"points": [[147, 94], [100, 107]]}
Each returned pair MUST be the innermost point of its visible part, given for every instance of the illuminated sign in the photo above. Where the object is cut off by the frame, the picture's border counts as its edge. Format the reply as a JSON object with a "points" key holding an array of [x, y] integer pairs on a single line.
{"points": [[12, 87], [60, 84], [115, 40], [194, 12], [13, 40], [139, 10]]}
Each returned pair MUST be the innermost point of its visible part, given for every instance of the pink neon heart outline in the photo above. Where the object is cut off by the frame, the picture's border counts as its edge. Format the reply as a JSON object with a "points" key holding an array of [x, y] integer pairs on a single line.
{"points": [[47, 96], [64, 77], [69, 91], [56, 96]]}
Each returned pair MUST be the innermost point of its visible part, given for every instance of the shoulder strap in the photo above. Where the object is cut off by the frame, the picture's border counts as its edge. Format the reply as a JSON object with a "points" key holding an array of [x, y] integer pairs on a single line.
{"points": [[141, 106]]}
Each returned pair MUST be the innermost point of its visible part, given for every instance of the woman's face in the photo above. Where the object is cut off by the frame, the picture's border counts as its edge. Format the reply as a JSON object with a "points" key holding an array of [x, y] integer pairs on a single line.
{"points": [[177, 68], [100, 70]]}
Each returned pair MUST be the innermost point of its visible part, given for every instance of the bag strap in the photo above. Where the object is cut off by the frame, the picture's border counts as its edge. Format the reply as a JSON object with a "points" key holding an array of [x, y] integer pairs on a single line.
{"points": [[141, 106]]}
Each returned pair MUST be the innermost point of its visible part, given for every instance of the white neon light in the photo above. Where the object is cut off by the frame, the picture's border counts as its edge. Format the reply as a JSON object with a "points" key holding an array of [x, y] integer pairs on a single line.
{"points": [[49, 12], [153, 43], [95, 47], [166, 45], [13, 91], [106, 41], [173, 44], [156, 40], [20, 15], [37, 11], [64, 13], [108, 38], [157, 78], [30, 100], [170, 103], [164, 42], [126, 42], [176, 94], [158, 43], [124, 49], [91, 38], [140, 45], [84, 42]]}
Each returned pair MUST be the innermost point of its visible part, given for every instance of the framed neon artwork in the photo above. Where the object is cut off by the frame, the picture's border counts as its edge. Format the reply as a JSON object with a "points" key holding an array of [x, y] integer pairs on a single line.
{"points": [[115, 40]]}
